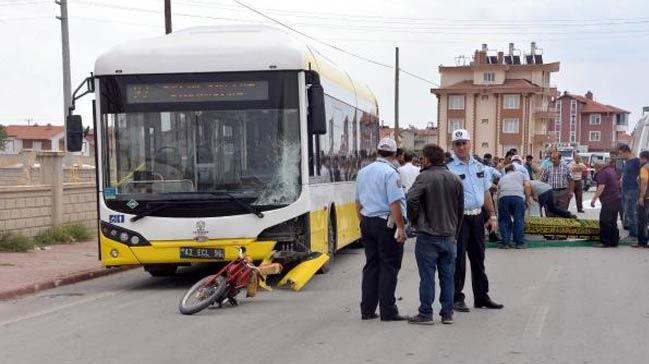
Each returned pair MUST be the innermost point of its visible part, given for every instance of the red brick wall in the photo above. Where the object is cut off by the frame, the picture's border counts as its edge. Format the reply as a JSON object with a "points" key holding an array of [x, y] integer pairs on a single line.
{"points": [[606, 129]]}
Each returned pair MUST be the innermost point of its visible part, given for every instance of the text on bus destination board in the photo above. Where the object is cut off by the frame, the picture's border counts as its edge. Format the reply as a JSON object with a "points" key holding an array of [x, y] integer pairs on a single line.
{"points": [[197, 92]]}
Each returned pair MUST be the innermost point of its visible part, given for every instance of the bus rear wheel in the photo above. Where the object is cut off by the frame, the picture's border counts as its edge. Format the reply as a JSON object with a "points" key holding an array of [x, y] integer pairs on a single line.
{"points": [[161, 270]]}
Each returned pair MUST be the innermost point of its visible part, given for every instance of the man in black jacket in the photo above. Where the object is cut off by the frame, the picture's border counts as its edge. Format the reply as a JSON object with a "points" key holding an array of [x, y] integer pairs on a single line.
{"points": [[436, 209]]}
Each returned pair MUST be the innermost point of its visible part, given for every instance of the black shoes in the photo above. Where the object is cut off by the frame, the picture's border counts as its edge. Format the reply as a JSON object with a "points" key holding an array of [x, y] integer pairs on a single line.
{"points": [[420, 320], [447, 320], [396, 317], [488, 304], [460, 306], [369, 316]]}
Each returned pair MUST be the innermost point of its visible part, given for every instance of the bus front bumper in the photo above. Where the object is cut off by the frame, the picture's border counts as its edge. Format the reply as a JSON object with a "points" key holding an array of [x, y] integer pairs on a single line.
{"points": [[114, 253]]}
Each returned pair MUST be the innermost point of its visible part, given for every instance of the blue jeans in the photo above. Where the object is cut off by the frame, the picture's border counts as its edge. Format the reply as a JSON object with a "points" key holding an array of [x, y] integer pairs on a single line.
{"points": [[508, 207], [630, 208], [435, 252]]}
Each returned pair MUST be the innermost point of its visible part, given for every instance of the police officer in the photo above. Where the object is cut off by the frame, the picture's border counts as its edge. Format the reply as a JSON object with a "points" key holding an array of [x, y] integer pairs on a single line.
{"points": [[476, 182], [380, 202]]}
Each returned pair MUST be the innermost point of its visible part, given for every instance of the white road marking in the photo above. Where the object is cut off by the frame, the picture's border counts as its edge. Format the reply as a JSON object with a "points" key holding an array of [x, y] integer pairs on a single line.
{"points": [[544, 316]]}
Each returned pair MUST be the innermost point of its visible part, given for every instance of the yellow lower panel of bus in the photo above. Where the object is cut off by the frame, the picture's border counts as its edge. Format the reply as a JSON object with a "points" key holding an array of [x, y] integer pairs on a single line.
{"points": [[347, 227], [168, 251], [318, 227]]}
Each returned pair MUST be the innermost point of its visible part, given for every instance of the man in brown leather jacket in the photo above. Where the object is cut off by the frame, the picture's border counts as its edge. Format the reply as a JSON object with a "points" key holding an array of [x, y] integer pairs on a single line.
{"points": [[436, 209]]}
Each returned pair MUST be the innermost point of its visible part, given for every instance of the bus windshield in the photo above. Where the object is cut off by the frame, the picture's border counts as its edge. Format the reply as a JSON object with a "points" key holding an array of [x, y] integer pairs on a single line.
{"points": [[245, 143]]}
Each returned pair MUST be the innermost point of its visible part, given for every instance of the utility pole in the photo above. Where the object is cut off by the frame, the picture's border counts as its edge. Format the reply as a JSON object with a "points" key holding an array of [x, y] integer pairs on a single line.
{"points": [[396, 96], [65, 50], [167, 16]]}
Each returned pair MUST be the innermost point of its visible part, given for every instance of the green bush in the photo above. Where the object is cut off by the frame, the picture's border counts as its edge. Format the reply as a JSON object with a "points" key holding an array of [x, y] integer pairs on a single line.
{"points": [[12, 242], [64, 234], [77, 230]]}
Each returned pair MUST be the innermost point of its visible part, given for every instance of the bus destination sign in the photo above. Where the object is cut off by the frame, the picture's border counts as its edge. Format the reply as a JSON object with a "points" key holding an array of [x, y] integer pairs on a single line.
{"points": [[148, 93]]}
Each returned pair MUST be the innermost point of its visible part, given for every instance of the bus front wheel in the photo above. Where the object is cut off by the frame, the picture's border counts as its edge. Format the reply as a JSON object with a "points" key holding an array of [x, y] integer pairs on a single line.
{"points": [[161, 270]]}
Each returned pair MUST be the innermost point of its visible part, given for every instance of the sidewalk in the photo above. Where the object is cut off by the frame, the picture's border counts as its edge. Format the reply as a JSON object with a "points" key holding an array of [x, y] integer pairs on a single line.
{"points": [[36, 270]]}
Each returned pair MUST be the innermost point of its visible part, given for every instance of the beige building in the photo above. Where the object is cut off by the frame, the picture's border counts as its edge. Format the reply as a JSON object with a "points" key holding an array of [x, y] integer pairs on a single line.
{"points": [[502, 100], [411, 138]]}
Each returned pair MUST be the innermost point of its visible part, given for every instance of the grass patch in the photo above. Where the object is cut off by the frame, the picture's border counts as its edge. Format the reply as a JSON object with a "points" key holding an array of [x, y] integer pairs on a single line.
{"points": [[13, 242], [64, 234]]}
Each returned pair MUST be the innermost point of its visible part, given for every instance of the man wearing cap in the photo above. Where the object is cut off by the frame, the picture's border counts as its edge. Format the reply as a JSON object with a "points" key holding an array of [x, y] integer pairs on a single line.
{"points": [[476, 183], [517, 161], [380, 202]]}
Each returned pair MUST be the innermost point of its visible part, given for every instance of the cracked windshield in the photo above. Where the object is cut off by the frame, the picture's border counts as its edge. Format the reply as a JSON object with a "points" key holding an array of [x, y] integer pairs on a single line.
{"points": [[251, 154]]}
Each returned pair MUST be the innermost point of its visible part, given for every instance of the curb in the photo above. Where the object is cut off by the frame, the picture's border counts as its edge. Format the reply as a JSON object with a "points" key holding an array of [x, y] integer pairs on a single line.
{"points": [[559, 243], [61, 281]]}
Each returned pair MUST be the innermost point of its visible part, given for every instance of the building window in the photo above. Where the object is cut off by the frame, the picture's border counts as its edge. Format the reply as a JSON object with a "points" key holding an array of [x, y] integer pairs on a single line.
{"points": [[510, 126], [573, 120], [484, 97], [454, 124], [558, 106], [573, 137], [489, 77], [456, 102], [573, 107], [512, 101], [485, 121], [595, 119], [595, 136]]}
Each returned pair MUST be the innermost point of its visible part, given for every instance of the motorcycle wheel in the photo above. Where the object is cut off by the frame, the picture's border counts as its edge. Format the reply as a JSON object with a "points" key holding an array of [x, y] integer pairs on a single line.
{"points": [[201, 295]]}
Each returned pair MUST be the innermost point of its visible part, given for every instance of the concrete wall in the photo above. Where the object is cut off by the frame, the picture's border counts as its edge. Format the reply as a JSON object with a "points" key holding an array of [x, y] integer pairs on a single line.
{"points": [[27, 176], [28, 209]]}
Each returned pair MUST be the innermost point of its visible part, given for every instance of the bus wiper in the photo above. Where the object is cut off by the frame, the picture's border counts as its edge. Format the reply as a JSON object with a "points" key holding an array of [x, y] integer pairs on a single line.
{"points": [[151, 212], [248, 207]]}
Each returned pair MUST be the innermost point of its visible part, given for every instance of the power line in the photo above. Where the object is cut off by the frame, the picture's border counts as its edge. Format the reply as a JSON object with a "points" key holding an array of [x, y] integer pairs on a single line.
{"points": [[21, 3], [329, 44]]}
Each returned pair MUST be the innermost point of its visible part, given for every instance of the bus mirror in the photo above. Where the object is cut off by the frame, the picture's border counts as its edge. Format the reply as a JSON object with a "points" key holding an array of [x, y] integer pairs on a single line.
{"points": [[74, 133], [316, 119]]}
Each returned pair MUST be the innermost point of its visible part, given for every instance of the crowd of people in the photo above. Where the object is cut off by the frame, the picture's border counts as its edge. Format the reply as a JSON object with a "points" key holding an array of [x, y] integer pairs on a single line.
{"points": [[448, 201]]}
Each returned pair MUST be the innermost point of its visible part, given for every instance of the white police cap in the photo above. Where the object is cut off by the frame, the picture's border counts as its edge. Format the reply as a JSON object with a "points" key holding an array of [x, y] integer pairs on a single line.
{"points": [[388, 145], [460, 134]]}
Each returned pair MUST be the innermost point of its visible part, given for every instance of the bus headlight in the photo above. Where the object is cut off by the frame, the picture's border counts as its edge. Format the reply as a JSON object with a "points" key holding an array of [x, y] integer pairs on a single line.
{"points": [[122, 235], [114, 253]]}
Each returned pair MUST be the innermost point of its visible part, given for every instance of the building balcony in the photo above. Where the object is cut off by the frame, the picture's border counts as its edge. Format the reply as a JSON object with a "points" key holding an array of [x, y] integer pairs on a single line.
{"points": [[541, 137], [550, 90], [550, 113]]}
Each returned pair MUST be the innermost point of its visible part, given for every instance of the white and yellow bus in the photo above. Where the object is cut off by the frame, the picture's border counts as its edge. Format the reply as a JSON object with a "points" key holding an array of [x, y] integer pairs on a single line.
{"points": [[210, 139]]}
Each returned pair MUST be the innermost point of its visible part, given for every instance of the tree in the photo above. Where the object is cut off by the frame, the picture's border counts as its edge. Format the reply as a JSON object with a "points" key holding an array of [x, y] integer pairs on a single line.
{"points": [[3, 137]]}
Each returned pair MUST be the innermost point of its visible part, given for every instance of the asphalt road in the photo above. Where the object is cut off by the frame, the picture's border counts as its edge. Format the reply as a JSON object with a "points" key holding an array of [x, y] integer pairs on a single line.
{"points": [[562, 305]]}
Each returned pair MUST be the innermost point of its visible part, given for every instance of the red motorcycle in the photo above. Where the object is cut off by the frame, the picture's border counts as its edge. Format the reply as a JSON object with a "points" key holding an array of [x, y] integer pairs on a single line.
{"points": [[226, 284]]}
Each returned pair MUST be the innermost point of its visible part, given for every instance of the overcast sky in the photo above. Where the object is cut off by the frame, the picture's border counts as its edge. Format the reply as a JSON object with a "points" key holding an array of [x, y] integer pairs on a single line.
{"points": [[603, 46]]}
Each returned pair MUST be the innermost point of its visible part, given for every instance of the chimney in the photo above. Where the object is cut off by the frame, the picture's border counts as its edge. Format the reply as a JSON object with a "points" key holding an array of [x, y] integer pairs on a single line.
{"points": [[480, 57], [500, 57], [589, 95], [511, 49], [533, 48], [484, 47]]}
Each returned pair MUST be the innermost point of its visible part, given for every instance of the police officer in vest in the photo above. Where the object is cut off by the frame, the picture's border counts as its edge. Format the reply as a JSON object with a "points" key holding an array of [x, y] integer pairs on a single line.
{"points": [[476, 181], [380, 202]]}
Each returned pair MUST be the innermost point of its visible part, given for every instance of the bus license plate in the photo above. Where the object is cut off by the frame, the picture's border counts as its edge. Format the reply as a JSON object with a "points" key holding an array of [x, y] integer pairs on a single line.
{"points": [[201, 253]]}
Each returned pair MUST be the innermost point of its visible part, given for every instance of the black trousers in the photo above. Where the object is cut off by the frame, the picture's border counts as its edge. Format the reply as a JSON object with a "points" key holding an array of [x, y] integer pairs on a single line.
{"points": [[642, 224], [382, 264], [471, 243], [608, 231]]}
